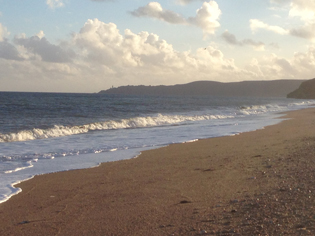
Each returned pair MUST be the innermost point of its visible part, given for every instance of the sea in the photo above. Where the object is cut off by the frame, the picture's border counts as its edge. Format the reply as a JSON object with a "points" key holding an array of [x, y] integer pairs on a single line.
{"points": [[50, 132]]}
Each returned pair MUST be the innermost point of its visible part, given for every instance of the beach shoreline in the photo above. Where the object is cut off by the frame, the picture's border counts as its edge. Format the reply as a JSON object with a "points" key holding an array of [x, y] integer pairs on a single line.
{"points": [[258, 182]]}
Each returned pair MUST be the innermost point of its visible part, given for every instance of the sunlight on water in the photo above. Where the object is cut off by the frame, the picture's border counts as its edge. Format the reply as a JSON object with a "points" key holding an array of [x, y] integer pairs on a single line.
{"points": [[42, 133]]}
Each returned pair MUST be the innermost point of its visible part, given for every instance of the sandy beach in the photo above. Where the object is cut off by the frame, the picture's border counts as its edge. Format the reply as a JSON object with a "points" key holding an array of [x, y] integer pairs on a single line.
{"points": [[255, 183]]}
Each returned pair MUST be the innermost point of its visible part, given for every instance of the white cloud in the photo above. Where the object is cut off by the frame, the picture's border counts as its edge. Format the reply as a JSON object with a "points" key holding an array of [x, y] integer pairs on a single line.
{"points": [[300, 66], [102, 43], [207, 17], [305, 63], [54, 3], [104, 56], [3, 32], [40, 34], [273, 66], [257, 24], [231, 39], [304, 9]]}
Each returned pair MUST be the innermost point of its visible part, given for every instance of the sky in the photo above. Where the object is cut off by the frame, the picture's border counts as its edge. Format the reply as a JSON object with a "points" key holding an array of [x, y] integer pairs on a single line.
{"points": [[91, 45]]}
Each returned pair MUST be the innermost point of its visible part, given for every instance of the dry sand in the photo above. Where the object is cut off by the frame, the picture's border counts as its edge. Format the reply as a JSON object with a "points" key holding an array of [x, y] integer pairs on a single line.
{"points": [[255, 183]]}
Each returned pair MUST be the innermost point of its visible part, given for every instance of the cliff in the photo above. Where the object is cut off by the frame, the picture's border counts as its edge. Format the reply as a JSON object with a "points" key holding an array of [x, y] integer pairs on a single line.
{"points": [[305, 91], [275, 88]]}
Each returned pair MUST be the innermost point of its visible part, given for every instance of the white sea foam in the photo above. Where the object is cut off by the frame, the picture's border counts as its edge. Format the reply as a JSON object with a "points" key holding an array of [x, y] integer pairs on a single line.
{"points": [[143, 122], [10, 180], [191, 141], [78, 147], [14, 191], [137, 122], [260, 109], [18, 169]]}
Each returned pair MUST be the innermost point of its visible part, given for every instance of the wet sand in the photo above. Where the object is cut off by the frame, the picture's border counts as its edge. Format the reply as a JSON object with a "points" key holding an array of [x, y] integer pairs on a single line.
{"points": [[255, 183]]}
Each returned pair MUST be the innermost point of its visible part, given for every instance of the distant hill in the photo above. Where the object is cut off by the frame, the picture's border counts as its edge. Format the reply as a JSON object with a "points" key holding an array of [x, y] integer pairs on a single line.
{"points": [[275, 88], [305, 91]]}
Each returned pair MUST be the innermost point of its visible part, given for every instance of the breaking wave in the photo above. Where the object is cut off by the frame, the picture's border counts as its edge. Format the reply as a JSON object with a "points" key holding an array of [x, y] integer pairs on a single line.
{"points": [[137, 122], [146, 121]]}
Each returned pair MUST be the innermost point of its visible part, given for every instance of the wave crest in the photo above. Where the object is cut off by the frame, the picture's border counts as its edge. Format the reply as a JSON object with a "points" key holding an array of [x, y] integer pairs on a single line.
{"points": [[136, 122]]}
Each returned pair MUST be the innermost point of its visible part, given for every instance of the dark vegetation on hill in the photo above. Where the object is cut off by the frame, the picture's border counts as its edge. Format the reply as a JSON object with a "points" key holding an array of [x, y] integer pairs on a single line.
{"points": [[305, 91], [275, 88]]}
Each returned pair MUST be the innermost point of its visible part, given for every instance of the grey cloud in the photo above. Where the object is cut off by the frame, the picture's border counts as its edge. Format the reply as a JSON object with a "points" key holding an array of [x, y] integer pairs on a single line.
{"points": [[231, 39], [155, 10], [172, 17], [252, 43], [9, 52], [307, 33], [185, 2], [48, 52], [285, 65], [206, 17], [103, 0]]}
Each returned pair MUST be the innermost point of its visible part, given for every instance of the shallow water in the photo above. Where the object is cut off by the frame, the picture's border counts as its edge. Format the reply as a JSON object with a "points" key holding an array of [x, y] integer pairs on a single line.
{"points": [[48, 132]]}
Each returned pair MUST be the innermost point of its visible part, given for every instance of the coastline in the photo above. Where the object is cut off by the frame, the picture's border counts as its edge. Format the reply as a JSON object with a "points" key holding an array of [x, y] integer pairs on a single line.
{"points": [[212, 186]]}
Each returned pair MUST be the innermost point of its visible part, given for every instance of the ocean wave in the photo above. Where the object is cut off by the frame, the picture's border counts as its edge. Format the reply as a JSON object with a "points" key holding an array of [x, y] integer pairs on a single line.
{"points": [[280, 107], [260, 109], [136, 122]]}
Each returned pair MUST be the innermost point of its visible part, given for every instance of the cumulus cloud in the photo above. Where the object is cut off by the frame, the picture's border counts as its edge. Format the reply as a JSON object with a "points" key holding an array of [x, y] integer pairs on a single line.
{"points": [[257, 24], [305, 62], [155, 10], [306, 32], [8, 51], [144, 58], [40, 34], [55, 3], [42, 47], [3, 32], [102, 43], [300, 66], [273, 66], [104, 56], [207, 17], [231, 39], [304, 9]]}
